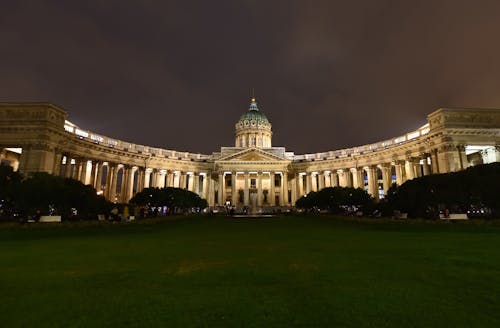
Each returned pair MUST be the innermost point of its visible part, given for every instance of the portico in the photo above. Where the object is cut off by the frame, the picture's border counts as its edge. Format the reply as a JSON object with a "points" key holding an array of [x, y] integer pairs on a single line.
{"points": [[253, 177]]}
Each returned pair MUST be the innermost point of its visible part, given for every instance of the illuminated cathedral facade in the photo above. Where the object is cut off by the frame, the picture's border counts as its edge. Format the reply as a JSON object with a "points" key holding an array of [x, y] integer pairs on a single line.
{"points": [[38, 137]]}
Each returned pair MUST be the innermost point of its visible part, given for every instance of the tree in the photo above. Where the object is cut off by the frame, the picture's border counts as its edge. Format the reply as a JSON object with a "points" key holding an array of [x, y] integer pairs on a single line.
{"points": [[335, 199], [174, 198], [458, 191], [42, 190], [9, 182]]}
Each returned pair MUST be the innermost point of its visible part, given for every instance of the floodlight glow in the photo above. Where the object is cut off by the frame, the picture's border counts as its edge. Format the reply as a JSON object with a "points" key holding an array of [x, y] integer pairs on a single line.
{"points": [[96, 138], [413, 135], [15, 150], [400, 139], [81, 133]]}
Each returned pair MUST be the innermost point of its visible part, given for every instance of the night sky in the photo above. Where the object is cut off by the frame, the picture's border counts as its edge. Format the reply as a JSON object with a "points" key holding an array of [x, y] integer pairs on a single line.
{"points": [[178, 74]]}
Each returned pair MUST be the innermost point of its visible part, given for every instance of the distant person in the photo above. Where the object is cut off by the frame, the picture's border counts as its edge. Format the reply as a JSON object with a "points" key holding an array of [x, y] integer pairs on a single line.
{"points": [[37, 215], [114, 214]]}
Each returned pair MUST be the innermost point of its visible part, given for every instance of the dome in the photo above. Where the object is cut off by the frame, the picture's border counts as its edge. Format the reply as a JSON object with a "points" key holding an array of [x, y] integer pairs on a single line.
{"points": [[254, 114], [253, 129]]}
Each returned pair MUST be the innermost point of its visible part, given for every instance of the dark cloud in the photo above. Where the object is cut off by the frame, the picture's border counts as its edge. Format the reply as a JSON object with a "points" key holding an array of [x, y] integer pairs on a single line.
{"points": [[178, 74]]}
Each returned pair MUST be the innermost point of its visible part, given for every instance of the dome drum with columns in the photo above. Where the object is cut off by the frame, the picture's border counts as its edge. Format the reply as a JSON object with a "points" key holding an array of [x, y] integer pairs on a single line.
{"points": [[37, 137], [253, 129]]}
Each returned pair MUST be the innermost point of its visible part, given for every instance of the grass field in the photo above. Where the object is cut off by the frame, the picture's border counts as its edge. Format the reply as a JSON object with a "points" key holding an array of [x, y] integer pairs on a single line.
{"points": [[279, 272]]}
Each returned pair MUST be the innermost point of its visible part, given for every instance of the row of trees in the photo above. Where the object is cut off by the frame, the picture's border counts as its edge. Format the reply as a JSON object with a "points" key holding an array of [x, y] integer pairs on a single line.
{"points": [[335, 199], [475, 188], [174, 198], [47, 194]]}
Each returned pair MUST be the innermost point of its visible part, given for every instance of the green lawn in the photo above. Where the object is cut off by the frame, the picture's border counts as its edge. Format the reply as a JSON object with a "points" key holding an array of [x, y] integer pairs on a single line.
{"points": [[279, 272]]}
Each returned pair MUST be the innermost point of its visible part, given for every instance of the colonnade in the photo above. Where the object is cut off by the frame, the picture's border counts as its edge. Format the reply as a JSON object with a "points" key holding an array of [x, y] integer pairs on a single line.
{"points": [[258, 188], [119, 182], [258, 139], [375, 179]]}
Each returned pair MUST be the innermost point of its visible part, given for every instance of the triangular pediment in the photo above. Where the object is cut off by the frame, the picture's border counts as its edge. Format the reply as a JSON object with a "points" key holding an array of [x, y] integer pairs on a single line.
{"points": [[252, 155]]}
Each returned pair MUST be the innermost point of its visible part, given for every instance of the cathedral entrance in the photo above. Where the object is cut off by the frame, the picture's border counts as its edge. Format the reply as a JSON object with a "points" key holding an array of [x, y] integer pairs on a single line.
{"points": [[252, 202]]}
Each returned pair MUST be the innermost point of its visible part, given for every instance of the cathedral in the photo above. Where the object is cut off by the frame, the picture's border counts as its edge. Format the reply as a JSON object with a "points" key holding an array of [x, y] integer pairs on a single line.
{"points": [[38, 137]]}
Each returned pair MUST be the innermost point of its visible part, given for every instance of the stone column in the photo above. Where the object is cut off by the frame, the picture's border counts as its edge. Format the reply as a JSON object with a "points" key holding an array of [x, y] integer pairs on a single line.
{"points": [[348, 178], [182, 183], [210, 189], [176, 182], [293, 187], [130, 184], [246, 192], [321, 180], [334, 179], [342, 178], [57, 163], [67, 168], [314, 181], [464, 163], [114, 180], [308, 182], [141, 176], [153, 178], [161, 178], [93, 172], [400, 176], [147, 177], [64, 166], [447, 159], [220, 194], [72, 169], [75, 167], [84, 174], [81, 164], [328, 178], [272, 195], [98, 182], [434, 161], [190, 182], [124, 184], [196, 183], [426, 167], [386, 177], [357, 178], [79, 169], [204, 187], [373, 182], [170, 178], [109, 179], [417, 169], [284, 189], [409, 170], [234, 199], [300, 185], [259, 189]]}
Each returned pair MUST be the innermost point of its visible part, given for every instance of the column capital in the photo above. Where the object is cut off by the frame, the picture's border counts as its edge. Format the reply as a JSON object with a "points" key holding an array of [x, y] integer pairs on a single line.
{"points": [[447, 147], [384, 165]]}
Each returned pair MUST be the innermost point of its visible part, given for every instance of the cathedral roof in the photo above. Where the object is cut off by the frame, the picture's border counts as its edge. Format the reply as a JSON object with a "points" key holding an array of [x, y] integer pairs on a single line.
{"points": [[254, 114]]}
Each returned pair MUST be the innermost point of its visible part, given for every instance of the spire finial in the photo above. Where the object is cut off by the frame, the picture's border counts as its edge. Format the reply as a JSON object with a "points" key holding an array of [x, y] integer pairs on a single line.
{"points": [[253, 95]]}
